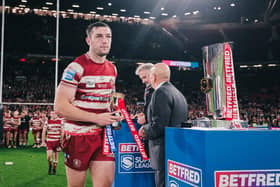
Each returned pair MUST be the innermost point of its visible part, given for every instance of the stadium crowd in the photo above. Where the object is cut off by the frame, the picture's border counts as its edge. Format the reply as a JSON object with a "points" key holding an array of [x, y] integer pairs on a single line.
{"points": [[260, 109], [31, 80]]}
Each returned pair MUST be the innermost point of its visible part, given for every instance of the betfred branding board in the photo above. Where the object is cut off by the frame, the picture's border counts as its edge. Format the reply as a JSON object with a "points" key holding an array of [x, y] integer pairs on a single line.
{"points": [[247, 178], [184, 173], [130, 160]]}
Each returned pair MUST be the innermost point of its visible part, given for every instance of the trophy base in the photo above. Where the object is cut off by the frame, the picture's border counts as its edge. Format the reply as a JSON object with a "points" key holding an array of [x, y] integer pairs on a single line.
{"points": [[116, 125], [210, 123]]}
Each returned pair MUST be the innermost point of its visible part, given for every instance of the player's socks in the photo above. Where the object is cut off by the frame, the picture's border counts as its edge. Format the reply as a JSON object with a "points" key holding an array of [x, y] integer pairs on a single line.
{"points": [[54, 167], [50, 167]]}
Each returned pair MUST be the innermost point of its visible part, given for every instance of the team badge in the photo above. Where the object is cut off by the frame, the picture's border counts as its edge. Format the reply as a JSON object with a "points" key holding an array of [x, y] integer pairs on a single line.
{"points": [[90, 84], [77, 163]]}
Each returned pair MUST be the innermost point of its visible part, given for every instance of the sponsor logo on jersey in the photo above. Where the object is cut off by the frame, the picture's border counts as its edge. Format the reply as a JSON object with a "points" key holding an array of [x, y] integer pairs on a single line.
{"points": [[252, 178], [94, 98]]}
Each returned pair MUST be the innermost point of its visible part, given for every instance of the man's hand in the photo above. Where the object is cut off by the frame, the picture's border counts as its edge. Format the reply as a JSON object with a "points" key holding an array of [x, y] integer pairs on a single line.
{"points": [[43, 144], [141, 119], [107, 118], [142, 133]]}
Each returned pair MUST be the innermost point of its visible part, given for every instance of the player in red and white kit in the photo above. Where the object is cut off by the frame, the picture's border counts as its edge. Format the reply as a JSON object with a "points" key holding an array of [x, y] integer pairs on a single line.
{"points": [[44, 117], [14, 128], [82, 98], [53, 127], [7, 121], [36, 124]]}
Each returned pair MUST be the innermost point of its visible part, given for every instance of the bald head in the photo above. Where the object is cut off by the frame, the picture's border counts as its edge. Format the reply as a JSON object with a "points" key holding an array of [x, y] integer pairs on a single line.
{"points": [[160, 73]]}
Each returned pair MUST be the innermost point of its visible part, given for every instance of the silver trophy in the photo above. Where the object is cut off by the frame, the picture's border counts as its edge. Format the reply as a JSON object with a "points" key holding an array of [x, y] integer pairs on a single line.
{"points": [[115, 106], [219, 86]]}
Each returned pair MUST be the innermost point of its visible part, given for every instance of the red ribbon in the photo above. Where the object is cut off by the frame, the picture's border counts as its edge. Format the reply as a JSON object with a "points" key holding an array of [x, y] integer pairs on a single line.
{"points": [[132, 129]]}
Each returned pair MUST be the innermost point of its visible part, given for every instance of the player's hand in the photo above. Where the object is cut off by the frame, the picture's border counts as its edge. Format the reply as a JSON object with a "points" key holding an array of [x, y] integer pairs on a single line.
{"points": [[107, 118], [141, 119], [43, 144], [142, 133]]}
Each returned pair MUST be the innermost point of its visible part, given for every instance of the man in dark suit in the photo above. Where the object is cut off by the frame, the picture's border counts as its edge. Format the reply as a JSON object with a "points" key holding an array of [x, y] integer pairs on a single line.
{"points": [[168, 108], [143, 71]]}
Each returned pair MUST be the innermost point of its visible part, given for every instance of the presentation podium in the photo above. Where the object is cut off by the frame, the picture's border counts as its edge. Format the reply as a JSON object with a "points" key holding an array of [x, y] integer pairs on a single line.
{"points": [[222, 158], [131, 170]]}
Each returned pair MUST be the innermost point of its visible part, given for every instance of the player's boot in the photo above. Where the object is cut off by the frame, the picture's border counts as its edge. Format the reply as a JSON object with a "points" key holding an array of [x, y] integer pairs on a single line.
{"points": [[50, 170]]}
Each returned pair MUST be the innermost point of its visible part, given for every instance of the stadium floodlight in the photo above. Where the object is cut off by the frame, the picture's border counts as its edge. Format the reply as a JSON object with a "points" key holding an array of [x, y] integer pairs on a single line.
{"points": [[257, 66], [76, 6], [243, 66], [272, 65], [99, 8], [122, 10]]}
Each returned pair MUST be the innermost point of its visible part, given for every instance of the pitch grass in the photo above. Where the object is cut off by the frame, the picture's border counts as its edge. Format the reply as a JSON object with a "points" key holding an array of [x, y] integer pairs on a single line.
{"points": [[30, 168]]}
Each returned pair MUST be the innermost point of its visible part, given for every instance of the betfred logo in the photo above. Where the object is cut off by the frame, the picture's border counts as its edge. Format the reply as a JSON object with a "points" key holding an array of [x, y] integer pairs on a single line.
{"points": [[246, 178], [185, 173], [128, 148]]}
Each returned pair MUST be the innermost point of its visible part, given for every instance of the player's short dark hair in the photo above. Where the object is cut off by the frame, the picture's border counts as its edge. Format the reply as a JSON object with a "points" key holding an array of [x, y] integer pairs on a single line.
{"points": [[95, 25]]}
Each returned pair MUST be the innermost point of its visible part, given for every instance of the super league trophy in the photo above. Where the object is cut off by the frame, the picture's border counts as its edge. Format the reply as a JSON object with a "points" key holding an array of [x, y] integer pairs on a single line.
{"points": [[114, 107], [219, 87]]}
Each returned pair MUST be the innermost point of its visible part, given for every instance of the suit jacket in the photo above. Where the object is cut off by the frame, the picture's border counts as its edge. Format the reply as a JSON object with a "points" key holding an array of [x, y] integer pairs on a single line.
{"points": [[147, 98], [168, 108]]}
